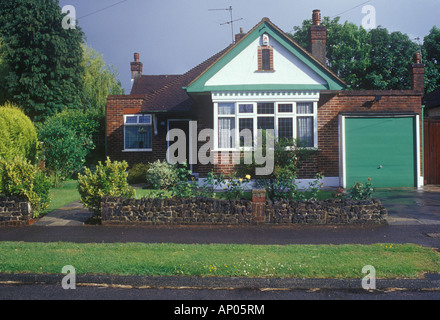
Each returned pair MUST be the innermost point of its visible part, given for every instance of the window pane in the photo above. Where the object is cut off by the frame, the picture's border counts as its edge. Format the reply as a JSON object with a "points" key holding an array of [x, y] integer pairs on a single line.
{"points": [[138, 137], [131, 119], [265, 123], [304, 108], [145, 119], [265, 59], [245, 108], [285, 128], [305, 131], [285, 107], [246, 128], [265, 108], [226, 129], [226, 108]]}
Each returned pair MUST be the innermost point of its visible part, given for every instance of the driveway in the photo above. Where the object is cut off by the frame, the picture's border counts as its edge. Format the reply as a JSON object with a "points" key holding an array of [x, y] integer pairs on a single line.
{"points": [[411, 206]]}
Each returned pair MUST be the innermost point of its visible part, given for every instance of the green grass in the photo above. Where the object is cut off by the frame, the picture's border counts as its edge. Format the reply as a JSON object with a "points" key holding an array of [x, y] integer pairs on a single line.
{"points": [[166, 259], [66, 194]]}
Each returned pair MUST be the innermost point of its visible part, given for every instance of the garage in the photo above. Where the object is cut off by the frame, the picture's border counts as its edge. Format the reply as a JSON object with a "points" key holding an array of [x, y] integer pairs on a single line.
{"points": [[383, 148]]}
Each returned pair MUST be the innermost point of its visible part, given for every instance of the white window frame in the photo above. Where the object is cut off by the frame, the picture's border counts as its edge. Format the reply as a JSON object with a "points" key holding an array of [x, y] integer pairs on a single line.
{"points": [[150, 124], [254, 115]]}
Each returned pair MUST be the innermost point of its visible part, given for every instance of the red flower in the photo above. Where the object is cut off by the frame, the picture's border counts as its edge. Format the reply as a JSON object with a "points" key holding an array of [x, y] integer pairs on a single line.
{"points": [[369, 179]]}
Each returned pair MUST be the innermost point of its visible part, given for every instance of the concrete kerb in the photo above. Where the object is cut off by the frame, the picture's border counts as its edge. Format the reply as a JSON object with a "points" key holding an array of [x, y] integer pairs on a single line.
{"points": [[431, 282]]}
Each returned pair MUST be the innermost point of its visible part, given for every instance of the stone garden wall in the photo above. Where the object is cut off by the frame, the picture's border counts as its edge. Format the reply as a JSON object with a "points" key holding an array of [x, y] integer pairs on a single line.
{"points": [[14, 211], [232, 212]]}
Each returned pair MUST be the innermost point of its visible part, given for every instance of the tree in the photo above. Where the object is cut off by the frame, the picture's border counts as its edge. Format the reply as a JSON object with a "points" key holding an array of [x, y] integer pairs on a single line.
{"points": [[100, 80], [431, 59], [347, 49], [391, 58], [4, 70], [374, 59], [67, 140], [18, 136], [46, 74]]}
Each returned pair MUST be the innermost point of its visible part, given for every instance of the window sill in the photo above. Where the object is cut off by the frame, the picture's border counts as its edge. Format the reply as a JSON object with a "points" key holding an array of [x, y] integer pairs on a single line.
{"points": [[264, 71], [137, 150]]}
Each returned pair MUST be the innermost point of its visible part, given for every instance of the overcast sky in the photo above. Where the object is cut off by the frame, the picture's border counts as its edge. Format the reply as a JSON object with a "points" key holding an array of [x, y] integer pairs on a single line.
{"points": [[173, 36]]}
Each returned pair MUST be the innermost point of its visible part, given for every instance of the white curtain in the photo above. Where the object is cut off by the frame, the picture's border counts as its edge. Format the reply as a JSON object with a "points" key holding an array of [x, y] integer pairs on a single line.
{"points": [[305, 131], [226, 132]]}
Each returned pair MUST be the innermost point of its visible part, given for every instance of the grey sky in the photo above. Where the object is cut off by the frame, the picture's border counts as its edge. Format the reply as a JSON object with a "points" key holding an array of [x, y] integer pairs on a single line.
{"points": [[173, 36]]}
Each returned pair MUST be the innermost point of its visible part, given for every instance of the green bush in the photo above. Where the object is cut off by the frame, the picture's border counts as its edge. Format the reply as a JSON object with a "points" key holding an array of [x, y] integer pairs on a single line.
{"points": [[109, 179], [67, 140], [360, 191], [138, 173], [161, 175], [19, 177], [18, 136]]}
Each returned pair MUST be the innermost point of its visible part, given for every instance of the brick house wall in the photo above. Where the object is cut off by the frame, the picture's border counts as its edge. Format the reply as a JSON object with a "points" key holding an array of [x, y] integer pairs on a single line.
{"points": [[331, 105]]}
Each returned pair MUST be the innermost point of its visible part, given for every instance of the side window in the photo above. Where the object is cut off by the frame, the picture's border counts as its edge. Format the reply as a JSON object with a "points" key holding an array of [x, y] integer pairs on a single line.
{"points": [[138, 132]]}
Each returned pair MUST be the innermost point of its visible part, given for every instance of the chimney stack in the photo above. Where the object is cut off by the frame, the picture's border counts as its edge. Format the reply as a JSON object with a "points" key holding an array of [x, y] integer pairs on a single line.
{"points": [[318, 38], [136, 67], [240, 35], [418, 74]]}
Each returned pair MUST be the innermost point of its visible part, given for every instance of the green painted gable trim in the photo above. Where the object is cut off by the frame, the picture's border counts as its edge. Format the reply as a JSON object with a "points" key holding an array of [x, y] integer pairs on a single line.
{"points": [[267, 87], [333, 83]]}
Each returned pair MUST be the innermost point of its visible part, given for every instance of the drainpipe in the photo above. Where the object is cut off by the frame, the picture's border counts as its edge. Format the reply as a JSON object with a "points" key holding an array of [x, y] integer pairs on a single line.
{"points": [[423, 142]]}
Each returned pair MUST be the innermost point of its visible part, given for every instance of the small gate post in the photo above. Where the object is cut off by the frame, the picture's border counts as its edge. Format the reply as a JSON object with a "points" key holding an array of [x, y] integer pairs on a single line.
{"points": [[259, 205]]}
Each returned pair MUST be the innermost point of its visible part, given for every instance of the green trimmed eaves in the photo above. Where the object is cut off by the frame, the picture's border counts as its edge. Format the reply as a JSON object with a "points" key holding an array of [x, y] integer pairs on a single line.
{"points": [[263, 87], [333, 82]]}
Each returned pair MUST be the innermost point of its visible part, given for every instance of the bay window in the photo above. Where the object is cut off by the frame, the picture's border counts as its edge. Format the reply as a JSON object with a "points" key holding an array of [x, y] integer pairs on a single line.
{"points": [[236, 122]]}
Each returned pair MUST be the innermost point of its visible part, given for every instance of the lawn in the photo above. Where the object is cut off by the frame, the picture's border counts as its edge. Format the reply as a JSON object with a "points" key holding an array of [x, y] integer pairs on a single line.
{"points": [[63, 195], [238, 260]]}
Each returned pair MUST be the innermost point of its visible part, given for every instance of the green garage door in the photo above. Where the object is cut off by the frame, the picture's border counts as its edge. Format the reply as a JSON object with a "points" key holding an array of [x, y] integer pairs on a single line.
{"points": [[382, 149]]}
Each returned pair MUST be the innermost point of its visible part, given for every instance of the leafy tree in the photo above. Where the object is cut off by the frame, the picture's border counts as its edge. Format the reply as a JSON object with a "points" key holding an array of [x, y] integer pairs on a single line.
{"points": [[431, 59], [18, 136], [100, 80], [4, 70], [374, 59], [347, 48], [391, 57], [67, 140], [46, 74]]}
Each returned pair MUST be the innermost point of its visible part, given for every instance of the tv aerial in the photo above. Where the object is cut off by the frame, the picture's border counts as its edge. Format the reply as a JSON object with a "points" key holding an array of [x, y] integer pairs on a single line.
{"points": [[231, 22]]}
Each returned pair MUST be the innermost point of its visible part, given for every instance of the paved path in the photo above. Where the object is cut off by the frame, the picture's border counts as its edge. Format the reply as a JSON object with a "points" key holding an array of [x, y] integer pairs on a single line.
{"points": [[73, 214]]}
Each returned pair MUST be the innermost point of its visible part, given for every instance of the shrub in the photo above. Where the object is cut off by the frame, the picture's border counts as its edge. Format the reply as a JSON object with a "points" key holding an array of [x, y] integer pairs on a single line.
{"points": [[109, 179], [19, 177], [18, 136], [185, 186], [161, 175], [67, 140], [138, 173], [359, 191]]}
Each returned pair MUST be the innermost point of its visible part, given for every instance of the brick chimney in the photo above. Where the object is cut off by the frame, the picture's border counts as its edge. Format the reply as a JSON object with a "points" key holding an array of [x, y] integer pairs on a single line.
{"points": [[136, 67], [418, 74], [240, 35], [318, 38]]}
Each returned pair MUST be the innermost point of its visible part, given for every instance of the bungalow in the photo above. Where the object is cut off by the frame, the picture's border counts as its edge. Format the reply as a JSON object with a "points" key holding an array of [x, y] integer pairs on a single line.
{"points": [[265, 80]]}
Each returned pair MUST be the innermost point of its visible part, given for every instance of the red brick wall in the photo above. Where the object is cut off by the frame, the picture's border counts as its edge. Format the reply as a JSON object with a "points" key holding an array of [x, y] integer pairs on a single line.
{"points": [[326, 160], [117, 106], [331, 105]]}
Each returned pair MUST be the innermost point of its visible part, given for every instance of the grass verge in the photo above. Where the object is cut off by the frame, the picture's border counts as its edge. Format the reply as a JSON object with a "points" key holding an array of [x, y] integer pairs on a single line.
{"points": [[291, 261]]}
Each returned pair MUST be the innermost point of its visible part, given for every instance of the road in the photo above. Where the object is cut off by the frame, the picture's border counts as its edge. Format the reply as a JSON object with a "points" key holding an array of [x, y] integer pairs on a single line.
{"points": [[176, 296]]}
